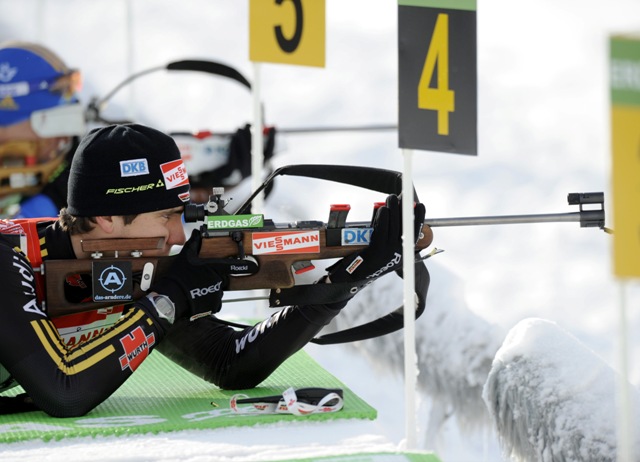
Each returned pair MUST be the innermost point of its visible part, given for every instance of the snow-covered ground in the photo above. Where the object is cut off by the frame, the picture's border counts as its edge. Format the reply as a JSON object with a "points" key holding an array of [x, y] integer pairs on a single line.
{"points": [[543, 133]]}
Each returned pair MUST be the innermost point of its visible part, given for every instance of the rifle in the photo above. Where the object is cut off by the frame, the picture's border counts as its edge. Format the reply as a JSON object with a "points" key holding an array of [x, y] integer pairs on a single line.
{"points": [[262, 254], [290, 248]]}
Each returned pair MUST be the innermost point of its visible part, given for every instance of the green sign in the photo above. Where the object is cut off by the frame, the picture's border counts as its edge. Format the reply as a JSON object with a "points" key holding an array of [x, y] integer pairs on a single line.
{"points": [[235, 221], [625, 70], [438, 75]]}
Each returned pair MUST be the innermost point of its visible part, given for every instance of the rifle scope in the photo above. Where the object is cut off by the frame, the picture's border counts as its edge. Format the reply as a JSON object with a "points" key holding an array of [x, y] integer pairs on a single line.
{"points": [[215, 206]]}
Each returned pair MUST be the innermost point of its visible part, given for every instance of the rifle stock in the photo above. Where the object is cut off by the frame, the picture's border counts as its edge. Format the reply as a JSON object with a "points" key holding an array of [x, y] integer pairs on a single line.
{"points": [[274, 270]]}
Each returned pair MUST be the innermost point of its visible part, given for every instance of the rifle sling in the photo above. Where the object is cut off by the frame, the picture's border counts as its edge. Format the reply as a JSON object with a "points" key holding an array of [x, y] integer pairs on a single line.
{"points": [[386, 324], [322, 294]]}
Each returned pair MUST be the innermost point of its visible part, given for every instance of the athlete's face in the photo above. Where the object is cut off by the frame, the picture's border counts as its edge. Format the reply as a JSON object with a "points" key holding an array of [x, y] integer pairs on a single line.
{"points": [[163, 223]]}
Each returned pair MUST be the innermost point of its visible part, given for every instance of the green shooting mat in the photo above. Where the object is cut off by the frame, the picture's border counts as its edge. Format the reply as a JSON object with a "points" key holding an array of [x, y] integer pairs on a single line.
{"points": [[163, 397]]}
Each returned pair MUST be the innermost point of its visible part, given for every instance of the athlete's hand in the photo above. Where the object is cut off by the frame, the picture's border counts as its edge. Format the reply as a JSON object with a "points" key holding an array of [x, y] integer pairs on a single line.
{"points": [[192, 283], [384, 253]]}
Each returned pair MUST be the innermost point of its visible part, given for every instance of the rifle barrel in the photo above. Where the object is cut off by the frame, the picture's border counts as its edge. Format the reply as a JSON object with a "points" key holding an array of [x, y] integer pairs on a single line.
{"points": [[587, 218]]}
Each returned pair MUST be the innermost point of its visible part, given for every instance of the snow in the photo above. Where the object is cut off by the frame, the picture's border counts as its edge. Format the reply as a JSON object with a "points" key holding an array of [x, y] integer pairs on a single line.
{"points": [[572, 390], [541, 299]]}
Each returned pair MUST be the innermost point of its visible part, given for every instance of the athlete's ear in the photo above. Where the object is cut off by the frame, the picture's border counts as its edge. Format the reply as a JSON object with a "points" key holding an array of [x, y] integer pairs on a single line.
{"points": [[106, 224]]}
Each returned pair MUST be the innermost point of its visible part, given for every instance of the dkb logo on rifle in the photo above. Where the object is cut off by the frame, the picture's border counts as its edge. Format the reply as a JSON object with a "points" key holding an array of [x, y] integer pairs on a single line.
{"points": [[112, 281], [356, 236]]}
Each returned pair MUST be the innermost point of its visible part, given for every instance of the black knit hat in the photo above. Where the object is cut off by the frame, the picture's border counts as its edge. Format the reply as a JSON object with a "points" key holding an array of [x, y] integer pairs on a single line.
{"points": [[125, 170]]}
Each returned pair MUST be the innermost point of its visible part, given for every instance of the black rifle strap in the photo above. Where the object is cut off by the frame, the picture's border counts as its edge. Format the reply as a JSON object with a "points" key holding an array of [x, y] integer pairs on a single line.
{"points": [[386, 324], [210, 67], [373, 179], [322, 294], [95, 107]]}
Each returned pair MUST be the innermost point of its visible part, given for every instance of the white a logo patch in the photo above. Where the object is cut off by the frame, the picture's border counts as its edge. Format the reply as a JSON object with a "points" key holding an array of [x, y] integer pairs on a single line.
{"points": [[134, 167]]}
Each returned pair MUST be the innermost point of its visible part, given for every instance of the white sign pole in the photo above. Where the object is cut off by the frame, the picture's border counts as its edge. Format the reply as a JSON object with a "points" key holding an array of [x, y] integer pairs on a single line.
{"points": [[257, 165], [408, 268], [625, 424], [257, 161]]}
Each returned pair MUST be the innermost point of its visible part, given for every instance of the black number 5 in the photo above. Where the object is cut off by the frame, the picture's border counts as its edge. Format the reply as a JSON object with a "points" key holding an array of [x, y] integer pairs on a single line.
{"points": [[289, 45]]}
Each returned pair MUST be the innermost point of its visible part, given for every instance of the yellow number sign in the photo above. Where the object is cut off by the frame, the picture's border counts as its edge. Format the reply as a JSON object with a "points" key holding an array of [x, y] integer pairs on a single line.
{"points": [[287, 31], [625, 127], [437, 75]]}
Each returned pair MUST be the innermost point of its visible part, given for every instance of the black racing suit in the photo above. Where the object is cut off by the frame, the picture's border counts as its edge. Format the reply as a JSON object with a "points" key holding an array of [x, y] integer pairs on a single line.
{"points": [[67, 381]]}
